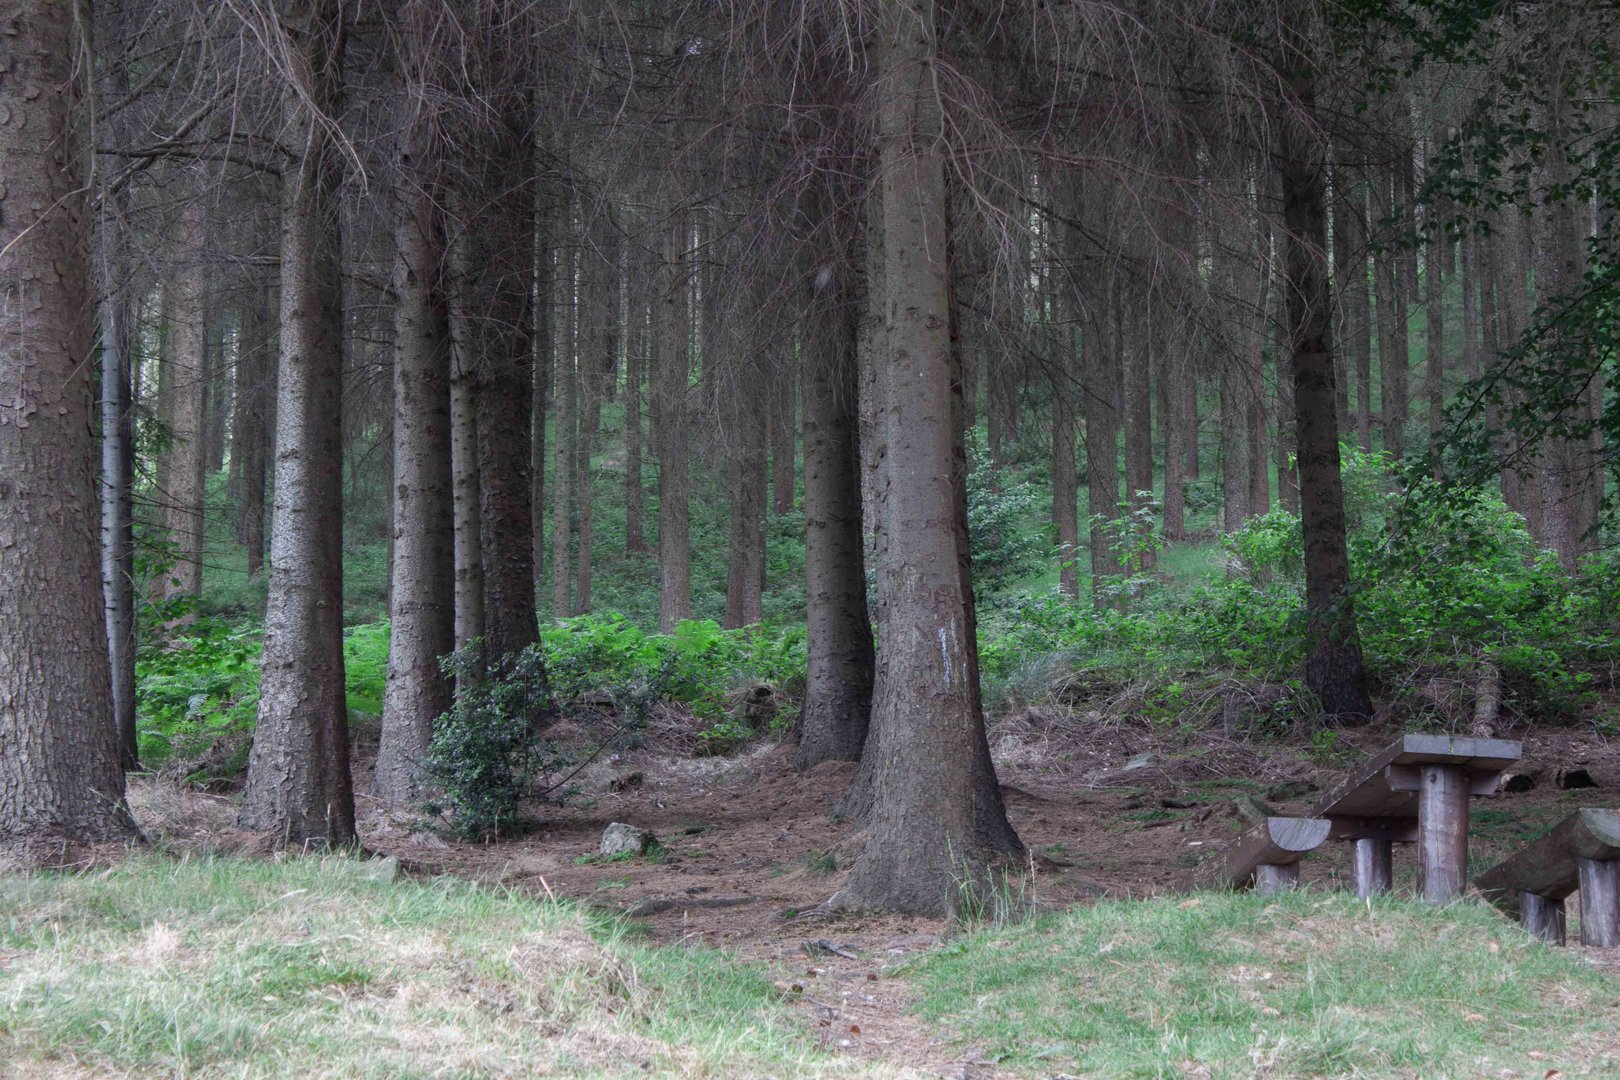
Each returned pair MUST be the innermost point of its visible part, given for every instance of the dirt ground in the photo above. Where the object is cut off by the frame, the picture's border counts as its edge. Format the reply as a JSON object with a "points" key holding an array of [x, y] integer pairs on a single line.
{"points": [[751, 850]]}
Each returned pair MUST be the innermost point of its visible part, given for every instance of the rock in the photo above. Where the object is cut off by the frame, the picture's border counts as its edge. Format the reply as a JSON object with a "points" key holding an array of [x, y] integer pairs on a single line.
{"points": [[1252, 810], [621, 839], [384, 870], [1140, 761], [1574, 779], [1517, 783]]}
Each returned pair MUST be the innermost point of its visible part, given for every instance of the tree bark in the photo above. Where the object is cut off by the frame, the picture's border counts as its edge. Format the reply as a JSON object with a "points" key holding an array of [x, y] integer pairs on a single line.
{"points": [[564, 434], [250, 444], [59, 773], [1393, 349], [464, 486], [783, 429], [839, 656], [188, 364], [1333, 667], [1350, 270], [638, 323], [544, 304], [421, 607], [118, 489], [1065, 481], [298, 784], [674, 482], [937, 817]]}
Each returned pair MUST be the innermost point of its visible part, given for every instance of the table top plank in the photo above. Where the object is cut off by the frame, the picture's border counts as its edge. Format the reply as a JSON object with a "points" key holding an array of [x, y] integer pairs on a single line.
{"points": [[1366, 791]]}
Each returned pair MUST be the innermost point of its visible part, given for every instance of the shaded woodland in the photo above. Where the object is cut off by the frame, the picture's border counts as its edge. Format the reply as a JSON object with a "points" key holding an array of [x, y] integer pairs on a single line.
{"points": [[436, 366]]}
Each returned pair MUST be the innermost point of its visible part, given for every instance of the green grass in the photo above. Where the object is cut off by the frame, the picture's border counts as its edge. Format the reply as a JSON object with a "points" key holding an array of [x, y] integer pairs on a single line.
{"points": [[310, 968], [1304, 985]]}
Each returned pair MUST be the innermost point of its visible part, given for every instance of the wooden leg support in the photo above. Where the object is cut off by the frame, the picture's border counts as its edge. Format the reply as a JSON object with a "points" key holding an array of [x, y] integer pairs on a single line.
{"points": [[1600, 902], [1373, 873], [1270, 877], [1542, 917], [1443, 833]]}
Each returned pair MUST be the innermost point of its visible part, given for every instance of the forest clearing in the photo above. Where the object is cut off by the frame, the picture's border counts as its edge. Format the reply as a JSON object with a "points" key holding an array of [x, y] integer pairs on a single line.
{"points": [[809, 538]]}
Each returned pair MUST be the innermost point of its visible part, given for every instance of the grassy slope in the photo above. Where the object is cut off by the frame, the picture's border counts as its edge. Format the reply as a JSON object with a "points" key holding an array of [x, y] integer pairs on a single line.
{"points": [[1301, 985], [309, 968]]}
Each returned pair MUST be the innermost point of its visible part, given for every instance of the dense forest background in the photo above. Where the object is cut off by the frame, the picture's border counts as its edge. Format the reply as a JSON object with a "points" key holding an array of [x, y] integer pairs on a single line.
{"points": [[1256, 356]]}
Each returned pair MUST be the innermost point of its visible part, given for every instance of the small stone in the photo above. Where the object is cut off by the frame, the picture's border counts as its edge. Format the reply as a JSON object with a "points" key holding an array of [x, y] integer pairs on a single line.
{"points": [[621, 839], [1574, 779], [384, 871]]}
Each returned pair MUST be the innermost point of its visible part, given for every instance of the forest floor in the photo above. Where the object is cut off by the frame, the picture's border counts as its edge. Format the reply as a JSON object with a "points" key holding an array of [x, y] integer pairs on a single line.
{"points": [[750, 850]]}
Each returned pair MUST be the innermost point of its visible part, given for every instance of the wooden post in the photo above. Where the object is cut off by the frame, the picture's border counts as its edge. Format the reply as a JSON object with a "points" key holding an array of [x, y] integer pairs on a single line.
{"points": [[1542, 917], [1373, 873], [1600, 901], [1443, 833], [1274, 877]]}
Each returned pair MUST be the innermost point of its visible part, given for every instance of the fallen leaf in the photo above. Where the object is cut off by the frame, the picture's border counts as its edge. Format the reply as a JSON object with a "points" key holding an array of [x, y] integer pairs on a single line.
{"points": [[1185, 904]]}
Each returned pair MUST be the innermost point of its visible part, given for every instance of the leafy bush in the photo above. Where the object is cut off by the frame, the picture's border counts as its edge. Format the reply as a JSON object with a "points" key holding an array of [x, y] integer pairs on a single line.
{"points": [[196, 688], [488, 748], [1002, 536]]}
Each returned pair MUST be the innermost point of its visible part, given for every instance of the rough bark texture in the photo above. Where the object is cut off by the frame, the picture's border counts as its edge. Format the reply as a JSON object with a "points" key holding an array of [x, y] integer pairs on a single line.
{"points": [[783, 432], [188, 364], [255, 412], [1333, 667], [839, 657], [1065, 485], [937, 817], [543, 303], [638, 319], [59, 770], [1350, 271], [298, 784], [674, 482], [1393, 351], [746, 478], [421, 607]]}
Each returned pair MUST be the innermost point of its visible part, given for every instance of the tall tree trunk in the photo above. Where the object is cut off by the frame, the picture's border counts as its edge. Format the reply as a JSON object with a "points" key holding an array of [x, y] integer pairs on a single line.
{"points": [[638, 325], [1333, 667], [1254, 390], [1173, 428], [1065, 488], [421, 607], [59, 772], [745, 466], [564, 434], [601, 336], [188, 364], [1350, 268], [1393, 349], [935, 765], [1098, 366], [1235, 449], [298, 784], [118, 487], [673, 377], [250, 445], [464, 486], [839, 657], [1434, 372], [1136, 375], [783, 429], [543, 302]]}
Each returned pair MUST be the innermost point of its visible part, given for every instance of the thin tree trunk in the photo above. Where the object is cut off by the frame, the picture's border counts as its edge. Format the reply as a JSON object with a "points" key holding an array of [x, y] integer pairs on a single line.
{"points": [[464, 486], [298, 784], [1136, 380], [674, 482], [1065, 488], [188, 363], [1393, 351], [1350, 273], [1173, 428], [250, 446], [1099, 365], [638, 319], [544, 305], [421, 607], [600, 335], [936, 759], [1434, 373], [564, 434], [1333, 667], [783, 429], [118, 490], [745, 466]]}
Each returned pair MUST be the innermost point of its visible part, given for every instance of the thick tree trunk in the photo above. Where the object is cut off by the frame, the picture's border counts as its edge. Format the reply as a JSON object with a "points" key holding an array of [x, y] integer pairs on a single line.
{"points": [[298, 784], [1333, 667], [935, 759], [421, 605], [839, 657], [59, 768], [674, 482], [745, 468]]}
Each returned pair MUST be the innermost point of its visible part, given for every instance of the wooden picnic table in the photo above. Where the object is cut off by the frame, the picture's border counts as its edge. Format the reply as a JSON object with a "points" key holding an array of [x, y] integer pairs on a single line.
{"points": [[1416, 789], [1582, 852]]}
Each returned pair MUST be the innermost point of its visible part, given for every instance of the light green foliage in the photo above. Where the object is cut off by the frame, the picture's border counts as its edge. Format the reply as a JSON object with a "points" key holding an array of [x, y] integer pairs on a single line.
{"points": [[1004, 533], [1297, 985], [308, 968]]}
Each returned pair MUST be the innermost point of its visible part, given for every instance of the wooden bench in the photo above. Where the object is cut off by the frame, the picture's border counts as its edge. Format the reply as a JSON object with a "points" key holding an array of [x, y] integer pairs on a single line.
{"points": [[1416, 789], [1267, 855], [1581, 852]]}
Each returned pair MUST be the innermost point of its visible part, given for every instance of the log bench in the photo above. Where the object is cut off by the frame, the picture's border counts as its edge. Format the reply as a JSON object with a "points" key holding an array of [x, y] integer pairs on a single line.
{"points": [[1416, 790], [1267, 855], [1581, 852]]}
